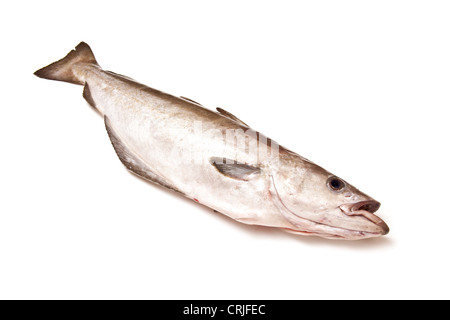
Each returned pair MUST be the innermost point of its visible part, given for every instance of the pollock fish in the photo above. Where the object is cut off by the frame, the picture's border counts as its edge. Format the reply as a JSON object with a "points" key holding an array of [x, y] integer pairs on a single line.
{"points": [[215, 159]]}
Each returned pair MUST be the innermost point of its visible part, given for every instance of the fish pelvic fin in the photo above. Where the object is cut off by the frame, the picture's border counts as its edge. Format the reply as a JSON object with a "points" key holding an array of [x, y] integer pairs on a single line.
{"points": [[63, 70]]}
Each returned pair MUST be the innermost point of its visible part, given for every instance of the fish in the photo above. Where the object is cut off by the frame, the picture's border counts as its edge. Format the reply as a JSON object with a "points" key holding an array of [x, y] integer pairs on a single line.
{"points": [[215, 159]]}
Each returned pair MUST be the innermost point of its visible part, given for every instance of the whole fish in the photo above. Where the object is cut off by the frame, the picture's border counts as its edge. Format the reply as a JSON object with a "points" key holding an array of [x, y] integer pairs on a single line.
{"points": [[216, 159]]}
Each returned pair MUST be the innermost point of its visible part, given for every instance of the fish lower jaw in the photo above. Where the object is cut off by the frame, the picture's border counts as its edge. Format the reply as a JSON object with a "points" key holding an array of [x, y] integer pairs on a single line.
{"points": [[367, 210], [311, 233], [339, 234]]}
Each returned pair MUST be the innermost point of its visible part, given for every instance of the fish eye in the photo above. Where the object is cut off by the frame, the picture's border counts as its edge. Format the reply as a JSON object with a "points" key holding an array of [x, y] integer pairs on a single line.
{"points": [[335, 184]]}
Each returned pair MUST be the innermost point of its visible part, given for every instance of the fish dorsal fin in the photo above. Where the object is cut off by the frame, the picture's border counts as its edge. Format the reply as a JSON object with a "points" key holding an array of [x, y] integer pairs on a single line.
{"points": [[120, 75], [221, 111], [190, 100], [231, 116], [133, 161], [234, 169]]}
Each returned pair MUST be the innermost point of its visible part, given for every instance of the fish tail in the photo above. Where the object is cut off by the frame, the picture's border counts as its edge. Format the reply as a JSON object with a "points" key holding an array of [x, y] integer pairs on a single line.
{"points": [[64, 69]]}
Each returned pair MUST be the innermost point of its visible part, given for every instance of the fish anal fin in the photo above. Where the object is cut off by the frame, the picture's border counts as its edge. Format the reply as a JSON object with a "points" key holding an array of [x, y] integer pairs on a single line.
{"points": [[131, 161], [231, 116], [88, 96], [234, 169]]}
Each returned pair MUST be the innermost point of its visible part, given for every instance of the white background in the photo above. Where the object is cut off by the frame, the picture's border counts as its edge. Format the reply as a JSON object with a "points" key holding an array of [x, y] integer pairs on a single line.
{"points": [[359, 87]]}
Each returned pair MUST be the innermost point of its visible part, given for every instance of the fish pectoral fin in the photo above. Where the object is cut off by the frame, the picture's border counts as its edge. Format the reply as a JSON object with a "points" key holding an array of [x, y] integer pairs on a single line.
{"points": [[231, 116], [133, 161], [234, 169]]}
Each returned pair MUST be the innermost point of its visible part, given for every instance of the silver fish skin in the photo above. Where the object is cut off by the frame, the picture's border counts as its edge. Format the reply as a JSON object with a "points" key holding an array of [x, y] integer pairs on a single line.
{"points": [[217, 160]]}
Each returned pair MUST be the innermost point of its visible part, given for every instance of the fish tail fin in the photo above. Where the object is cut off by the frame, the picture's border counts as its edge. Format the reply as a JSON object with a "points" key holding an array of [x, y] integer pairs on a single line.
{"points": [[63, 70]]}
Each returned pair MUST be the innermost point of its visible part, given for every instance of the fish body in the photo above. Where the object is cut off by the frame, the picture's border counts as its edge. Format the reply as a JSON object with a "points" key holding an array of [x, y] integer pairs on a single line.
{"points": [[215, 159]]}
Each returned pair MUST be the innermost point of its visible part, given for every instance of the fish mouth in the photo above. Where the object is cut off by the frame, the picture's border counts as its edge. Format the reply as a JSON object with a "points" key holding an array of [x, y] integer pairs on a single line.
{"points": [[366, 209]]}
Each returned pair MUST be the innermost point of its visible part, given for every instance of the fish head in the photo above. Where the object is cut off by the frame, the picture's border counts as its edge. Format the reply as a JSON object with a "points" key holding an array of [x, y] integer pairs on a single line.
{"points": [[317, 202]]}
